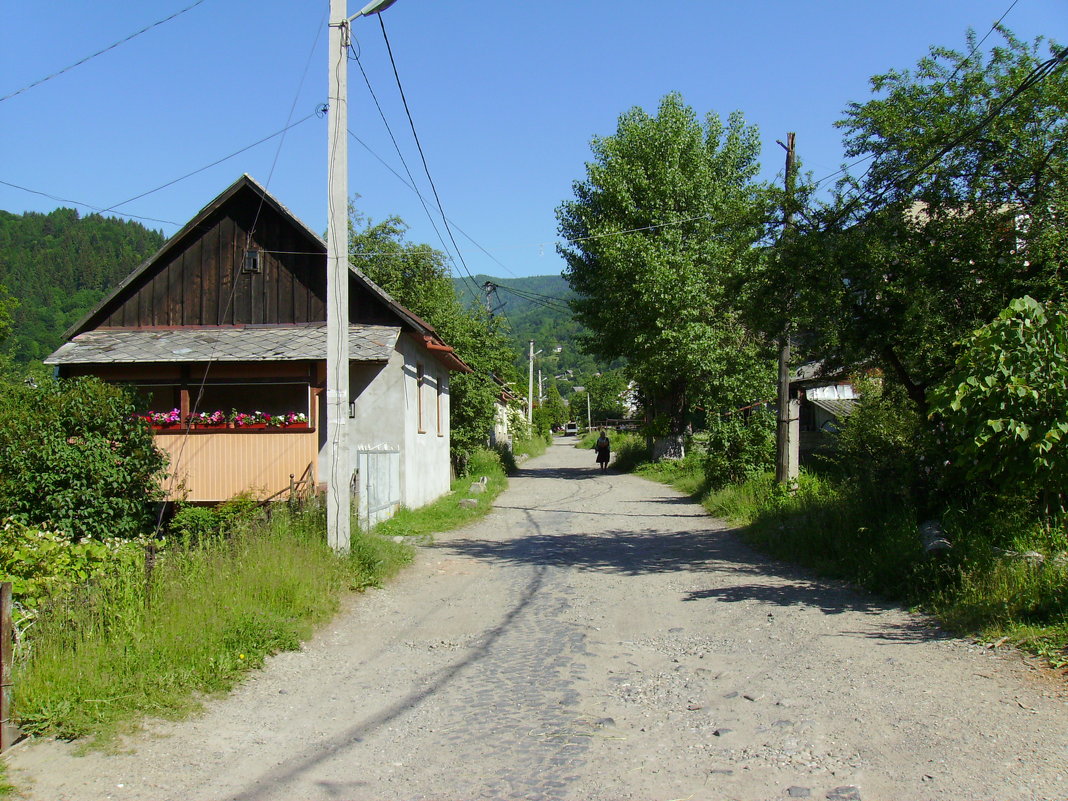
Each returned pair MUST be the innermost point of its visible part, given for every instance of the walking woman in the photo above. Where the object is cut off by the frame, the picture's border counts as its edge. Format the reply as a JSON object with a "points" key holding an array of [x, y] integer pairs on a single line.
{"points": [[604, 451]]}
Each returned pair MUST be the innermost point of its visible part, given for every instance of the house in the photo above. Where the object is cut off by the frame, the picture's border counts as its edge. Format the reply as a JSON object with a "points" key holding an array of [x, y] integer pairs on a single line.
{"points": [[824, 400], [224, 332], [506, 399]]}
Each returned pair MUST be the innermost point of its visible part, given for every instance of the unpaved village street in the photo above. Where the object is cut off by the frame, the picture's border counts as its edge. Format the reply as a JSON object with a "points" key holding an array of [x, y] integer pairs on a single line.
{"points": [[599, 637]]}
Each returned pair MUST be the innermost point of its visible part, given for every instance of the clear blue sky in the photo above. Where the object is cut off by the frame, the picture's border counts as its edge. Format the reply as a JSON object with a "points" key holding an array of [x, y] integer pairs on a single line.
{"points": [[505, 97]]}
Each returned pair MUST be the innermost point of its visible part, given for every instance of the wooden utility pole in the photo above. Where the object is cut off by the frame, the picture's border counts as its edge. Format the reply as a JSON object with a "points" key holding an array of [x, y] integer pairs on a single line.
{"points": [[8, 732], [787, 431]]}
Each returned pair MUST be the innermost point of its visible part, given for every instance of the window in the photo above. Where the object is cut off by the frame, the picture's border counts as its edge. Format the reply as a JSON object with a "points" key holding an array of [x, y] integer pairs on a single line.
{"points": [[441, 422], [419, 381]]}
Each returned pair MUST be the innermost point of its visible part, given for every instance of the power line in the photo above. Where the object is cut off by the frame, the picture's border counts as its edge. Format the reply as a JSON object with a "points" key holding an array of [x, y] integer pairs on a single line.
{"points": [[399, 177], [965, 60], [100, 52], [84, 205], [213, 164], [1037, 75], [400, 154], [422, 155]]}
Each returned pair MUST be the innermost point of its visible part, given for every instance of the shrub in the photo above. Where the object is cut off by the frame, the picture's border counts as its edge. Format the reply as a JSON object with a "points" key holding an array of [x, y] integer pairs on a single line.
{"points": [[43, 564], [880, 447], [76, 459], [739, 448]]}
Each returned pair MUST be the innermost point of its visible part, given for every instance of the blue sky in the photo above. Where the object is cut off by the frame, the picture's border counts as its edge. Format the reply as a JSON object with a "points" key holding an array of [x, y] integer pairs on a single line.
{"points": [[505, 97]]}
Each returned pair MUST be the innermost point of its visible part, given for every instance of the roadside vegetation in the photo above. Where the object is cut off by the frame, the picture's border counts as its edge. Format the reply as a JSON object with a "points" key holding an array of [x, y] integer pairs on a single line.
{"points": [[111, 630], [931, 273]]}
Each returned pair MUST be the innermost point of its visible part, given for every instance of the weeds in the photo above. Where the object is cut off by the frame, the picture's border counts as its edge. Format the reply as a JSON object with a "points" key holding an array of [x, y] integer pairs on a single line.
{"points": [[122, 647]]}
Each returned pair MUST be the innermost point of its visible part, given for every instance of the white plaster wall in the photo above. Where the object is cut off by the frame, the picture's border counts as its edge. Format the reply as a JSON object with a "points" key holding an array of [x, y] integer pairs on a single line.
{"points": [[387, 416], [424, 454]]}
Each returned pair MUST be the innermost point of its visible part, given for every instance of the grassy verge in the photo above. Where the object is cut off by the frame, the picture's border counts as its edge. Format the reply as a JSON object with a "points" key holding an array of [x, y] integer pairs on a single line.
{"points": [[975, 589], [535, 446], [102, 657], [993, 594], [446, 513], [125, 646]]}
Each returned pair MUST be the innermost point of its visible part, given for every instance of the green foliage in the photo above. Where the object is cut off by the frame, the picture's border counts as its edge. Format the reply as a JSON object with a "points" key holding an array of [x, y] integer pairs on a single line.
{"points": [[42, 564], [59, 265], [555, 408], [1004, 407], [418, 277], [905, 262], [668, 213], [738, 448], [119, 647], [194, 525], [880, 447], [76, 460]]}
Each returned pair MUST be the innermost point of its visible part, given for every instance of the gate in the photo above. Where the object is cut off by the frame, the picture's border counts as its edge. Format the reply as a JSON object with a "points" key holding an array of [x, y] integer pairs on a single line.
{"points": [[378, 485]]}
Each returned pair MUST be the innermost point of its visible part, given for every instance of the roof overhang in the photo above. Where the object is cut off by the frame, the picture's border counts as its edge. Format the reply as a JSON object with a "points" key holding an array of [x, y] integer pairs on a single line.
{"points": [[367, 343]]}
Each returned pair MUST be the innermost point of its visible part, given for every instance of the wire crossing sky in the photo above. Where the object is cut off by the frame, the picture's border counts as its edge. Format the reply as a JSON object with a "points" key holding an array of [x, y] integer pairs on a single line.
{"points": [[505, 98]]}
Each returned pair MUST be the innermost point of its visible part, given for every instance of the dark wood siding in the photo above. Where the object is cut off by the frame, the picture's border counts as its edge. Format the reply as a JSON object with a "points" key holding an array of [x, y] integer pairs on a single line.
{"points": [[199, 281]]}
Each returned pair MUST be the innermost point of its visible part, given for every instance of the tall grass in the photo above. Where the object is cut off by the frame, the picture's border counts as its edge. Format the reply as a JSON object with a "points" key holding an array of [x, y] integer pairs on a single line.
{"points": [[136, 643], [975, 589]]}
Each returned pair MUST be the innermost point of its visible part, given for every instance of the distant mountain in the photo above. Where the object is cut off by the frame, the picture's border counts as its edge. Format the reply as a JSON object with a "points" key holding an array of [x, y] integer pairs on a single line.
{"points": [[536, 308], [59, 265]]}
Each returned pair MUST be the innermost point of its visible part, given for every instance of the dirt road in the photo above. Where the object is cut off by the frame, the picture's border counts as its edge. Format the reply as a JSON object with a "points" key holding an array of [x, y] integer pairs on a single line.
{"points": [[599, 637]]}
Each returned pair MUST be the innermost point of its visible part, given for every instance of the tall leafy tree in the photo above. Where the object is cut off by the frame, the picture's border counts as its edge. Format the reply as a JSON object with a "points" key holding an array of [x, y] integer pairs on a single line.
{"points": [[669, 212], [961, 208], [418, 277]]}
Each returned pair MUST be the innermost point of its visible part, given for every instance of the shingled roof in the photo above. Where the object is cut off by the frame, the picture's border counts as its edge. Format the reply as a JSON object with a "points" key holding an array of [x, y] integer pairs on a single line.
{"points": [[367, 343]]}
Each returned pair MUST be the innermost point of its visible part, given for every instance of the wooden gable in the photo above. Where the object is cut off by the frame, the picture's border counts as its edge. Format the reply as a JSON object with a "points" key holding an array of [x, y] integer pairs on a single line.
{"points": [[199, 277]]}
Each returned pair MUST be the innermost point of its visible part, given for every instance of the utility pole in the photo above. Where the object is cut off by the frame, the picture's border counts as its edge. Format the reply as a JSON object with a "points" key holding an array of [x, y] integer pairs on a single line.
{"points": [[530, 384], [489, 288], [541, 389], [787, 431], [339, 465], [589, 418]]}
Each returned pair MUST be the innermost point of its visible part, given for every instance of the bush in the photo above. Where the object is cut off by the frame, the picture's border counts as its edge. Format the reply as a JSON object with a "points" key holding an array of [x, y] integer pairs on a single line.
{"points": [[76, 460], [42, 564], [881, 446], [738, 448]]}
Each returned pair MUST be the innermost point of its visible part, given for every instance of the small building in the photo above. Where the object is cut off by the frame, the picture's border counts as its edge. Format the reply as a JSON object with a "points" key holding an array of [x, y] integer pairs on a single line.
{"points": [[825, 399], [224, 333]]}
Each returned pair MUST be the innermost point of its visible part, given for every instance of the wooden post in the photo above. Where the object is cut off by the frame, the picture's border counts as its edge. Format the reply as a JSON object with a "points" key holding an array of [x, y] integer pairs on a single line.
{"points": [[787, 431], [9, 733]]}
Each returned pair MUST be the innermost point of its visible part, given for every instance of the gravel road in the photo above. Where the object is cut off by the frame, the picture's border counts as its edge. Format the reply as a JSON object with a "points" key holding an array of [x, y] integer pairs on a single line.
{"points": [[599, 637]]}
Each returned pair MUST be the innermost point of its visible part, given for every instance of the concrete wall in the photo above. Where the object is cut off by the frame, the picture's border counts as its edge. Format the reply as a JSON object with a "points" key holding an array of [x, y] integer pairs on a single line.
{"points": [[387, 417], [425, 452]]}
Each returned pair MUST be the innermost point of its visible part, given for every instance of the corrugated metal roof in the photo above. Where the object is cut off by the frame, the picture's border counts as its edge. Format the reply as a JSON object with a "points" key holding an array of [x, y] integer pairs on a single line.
{"points": [[367, 343], [840, 408]]}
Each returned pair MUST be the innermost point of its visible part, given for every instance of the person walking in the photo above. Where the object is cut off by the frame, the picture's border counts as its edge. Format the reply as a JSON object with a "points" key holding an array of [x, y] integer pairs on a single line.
{"points": [[604, 451]]}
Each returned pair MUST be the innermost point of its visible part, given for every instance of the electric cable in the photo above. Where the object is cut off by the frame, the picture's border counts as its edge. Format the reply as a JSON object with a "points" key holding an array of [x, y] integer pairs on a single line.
{"points": [[422, 155], [213, 164], [942, 85], [100, 52], [89, 206]]}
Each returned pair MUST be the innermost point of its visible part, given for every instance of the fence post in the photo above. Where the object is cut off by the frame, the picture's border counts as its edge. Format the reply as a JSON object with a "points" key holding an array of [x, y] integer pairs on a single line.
{"points": [[9, 733]]}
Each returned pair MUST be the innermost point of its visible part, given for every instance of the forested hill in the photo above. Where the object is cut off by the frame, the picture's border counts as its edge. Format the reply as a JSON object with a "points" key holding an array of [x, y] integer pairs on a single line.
{"points": [[536, 308], [59, 265]]}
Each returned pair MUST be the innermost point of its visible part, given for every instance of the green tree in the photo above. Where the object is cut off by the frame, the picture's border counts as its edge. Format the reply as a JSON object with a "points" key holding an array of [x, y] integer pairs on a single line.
{"points": [[1004, 407], [556, 410], [418, 277], [960, 209], [668, 213], [75, 458]]}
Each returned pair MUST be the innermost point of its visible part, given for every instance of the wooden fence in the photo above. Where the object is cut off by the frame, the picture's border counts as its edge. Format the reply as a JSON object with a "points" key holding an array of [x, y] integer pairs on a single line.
{"points": [[9, 733]]}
